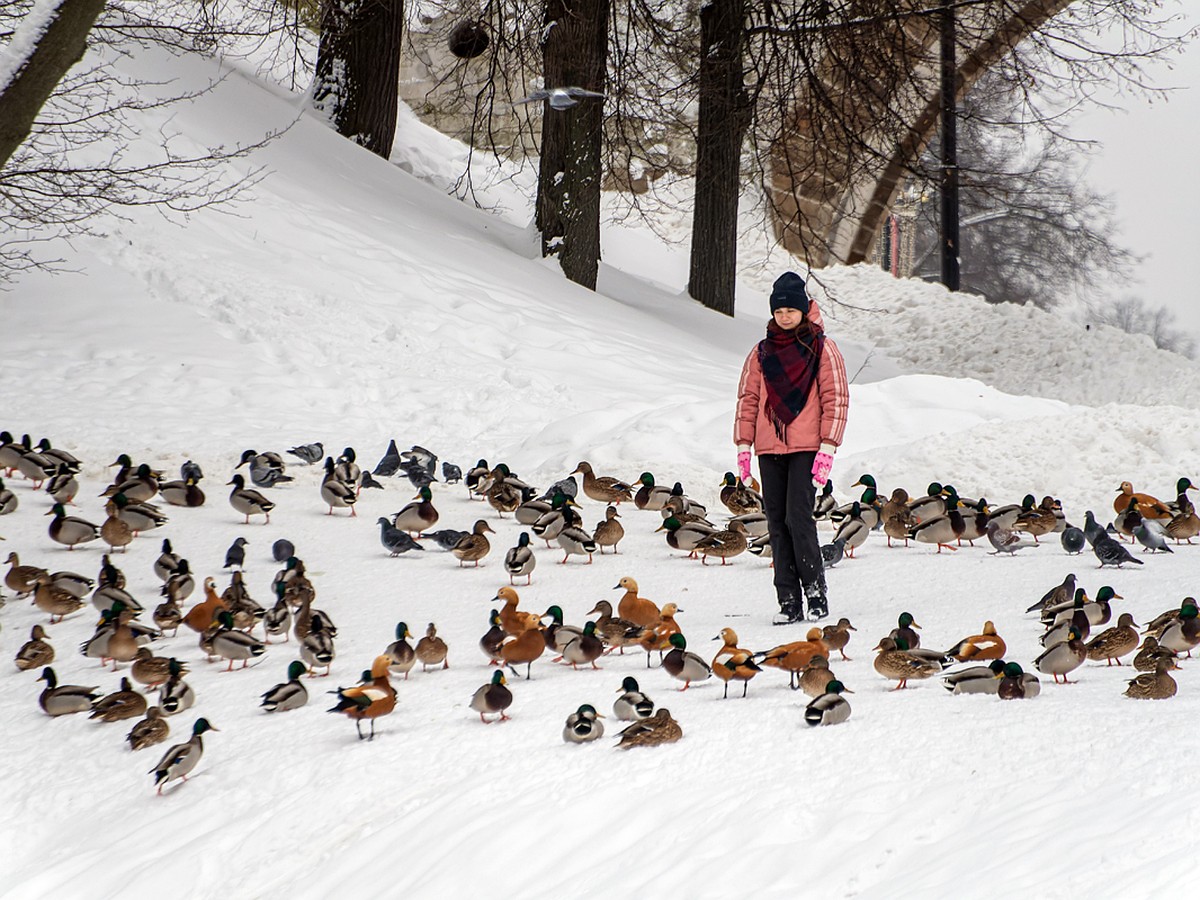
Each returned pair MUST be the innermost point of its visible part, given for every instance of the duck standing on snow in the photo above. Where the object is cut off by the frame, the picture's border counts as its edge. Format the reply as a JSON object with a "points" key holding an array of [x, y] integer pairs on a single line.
{"points": [[419, 515], [605, 489], [179, 761], [609, 532], [338, 493], [520, 560], [895, 662], [1148, 507], [431, 650], [491, 698], [1063, 658], [683, 665], [248, 501], [732, 662], [71, 530], [290, 694], [370, 700], [632, 705], [473, 547]]}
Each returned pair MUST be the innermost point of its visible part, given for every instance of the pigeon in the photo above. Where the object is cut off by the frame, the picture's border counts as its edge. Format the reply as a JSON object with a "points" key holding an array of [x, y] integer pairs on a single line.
{"points": [[394, 540], [368, 482], [190, 470], [283, 550], [426, 459], [1151, 538], [568, 487], [446, 538], [310, 453], [1005, 540], [236, 554], [417, 474], [1060, 593], [831, 554], [560, 98], [1111, 553], [1091, 528], [1073, 540], [451, 474], [390, 464]]}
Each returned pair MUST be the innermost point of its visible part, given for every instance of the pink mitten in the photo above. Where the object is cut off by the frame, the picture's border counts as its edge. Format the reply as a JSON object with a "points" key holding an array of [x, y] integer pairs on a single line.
{"points": [[744, 465], [820, 470]]}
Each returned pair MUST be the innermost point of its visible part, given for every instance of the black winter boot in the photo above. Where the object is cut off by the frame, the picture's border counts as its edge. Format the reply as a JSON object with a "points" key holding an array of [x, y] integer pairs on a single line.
{"points": [[791, 610], [818, 605]]}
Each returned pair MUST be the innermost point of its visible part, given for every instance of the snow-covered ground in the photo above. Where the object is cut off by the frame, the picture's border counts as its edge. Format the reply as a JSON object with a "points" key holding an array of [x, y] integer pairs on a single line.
{"points": [[350, 302]]}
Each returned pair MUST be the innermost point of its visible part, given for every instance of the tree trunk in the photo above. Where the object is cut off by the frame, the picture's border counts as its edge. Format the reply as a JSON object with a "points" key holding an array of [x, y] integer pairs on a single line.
{"points": [[62, 42], [358, 70], [579, 53], [724, 117], [552, 163]]}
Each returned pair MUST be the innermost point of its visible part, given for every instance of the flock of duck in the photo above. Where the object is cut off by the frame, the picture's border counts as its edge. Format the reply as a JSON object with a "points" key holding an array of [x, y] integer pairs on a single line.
{"points": [[228, 622]]}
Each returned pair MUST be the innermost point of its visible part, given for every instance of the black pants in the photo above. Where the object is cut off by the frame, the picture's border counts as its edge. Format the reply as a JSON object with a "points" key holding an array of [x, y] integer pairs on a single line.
{"points": [[789, 496]]}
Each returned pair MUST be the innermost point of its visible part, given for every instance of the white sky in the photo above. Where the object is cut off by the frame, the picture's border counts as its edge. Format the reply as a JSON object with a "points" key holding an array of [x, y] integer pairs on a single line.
{"points": [[1149, 165]]}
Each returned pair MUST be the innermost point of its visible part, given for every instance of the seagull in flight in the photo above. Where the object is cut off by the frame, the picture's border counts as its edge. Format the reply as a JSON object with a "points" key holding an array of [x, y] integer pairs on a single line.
{"points": [[560, 98]]}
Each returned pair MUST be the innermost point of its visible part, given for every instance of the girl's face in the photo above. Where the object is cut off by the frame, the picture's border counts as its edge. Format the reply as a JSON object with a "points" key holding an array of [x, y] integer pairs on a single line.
{"points": [[788, 318]]}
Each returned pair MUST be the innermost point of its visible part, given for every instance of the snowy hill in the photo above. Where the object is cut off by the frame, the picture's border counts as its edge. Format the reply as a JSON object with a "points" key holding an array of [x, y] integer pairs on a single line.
{"points": [[351, 302]]}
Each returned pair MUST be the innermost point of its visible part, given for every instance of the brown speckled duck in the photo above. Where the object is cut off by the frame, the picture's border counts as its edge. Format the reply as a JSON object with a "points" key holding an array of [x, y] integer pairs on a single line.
{"points": [[605, 489], [659, 728]]}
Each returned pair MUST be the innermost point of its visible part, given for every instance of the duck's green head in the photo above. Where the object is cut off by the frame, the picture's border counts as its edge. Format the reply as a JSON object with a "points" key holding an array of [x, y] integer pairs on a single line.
{"points": [[523, 540], [997, 666], [1106, 594], [901, 643], [1074, 634], [587, 711], [629, 685], [402, 631], [58, 511], [934, 489], [835, 687], [679, 641], [425, 493], [670, 523], [869, 496], [828, 489], [906, 621], [589, 628], [1013, 670], [123, 460], [1080, 596], [50, 678], [296, 669], [1028, 502], [1183, 485], [677, 489], [558, 501], [647, 479], [175, 667], [202, 725], [555, 613], [729, 480], [866, 481], [494, 617], [225, 617], [1189, 610], [498, 677]]}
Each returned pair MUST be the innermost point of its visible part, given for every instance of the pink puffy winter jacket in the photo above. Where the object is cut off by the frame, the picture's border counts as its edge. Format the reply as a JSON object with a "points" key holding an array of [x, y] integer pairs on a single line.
{"points": [[823, 419]]}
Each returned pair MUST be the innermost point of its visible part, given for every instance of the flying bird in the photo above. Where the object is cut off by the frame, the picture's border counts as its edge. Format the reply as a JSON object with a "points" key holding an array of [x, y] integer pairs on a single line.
{"points": [[560, 98]]}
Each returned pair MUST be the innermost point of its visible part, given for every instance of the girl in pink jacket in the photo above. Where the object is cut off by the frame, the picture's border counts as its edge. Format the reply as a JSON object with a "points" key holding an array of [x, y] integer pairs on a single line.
{"points": [[792, 402]]}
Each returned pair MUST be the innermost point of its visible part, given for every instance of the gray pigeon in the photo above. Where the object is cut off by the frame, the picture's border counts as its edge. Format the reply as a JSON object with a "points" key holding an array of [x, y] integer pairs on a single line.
{"points": [[568, 487], [309, 453], [236, 554], [446, 538], [427, 459], [451, 474], [1006, 540], [1151, 538], [390, 463], [368, 482], [282, 550], [560, 98], [417, 474], [1091, 528], [1060, 593], [831, 554], [1073, 540], [1111, 553], [191, 470], [394, 540]]}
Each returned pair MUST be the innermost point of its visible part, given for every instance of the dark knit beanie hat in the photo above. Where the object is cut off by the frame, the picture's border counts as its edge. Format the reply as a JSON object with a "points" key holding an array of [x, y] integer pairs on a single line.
{"points": [[788, 291]]}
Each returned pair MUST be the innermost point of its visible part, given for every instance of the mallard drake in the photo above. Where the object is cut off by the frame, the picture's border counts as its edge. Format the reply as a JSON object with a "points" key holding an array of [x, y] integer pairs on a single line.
{"points": [[561, 514], [932, 504], [906, 630], [895, 662], [738, 498], [54, 601], [182, 493], [556, 634], [1147, 506], [525, 647], [71, 530], [115, 531], [290, 694], [72, 583], [493, 697], [64, 699], [248, 501], [181, 759], [584, 648], [520, 560], [1076, 617], [609, 532], [852, 531], [474, 546], [632, 705], [266, 469], [22, 579], [167, 560], [633, 608], [316, 647], [9, 501], [685, 536], [36, 652], [825, 503], [732, 662], [761, 547], [650, 495], [1063, 658], [180, 583], [493, 638], [532, 510], [753, 523], [794, 656], [1113, 643], [176, 695], [1183, 634], [975, 679], [986, 645], [604, 489], [10, 452], [657, 729], [124, 703], [574, 541], [431, 650], [583, 725], [1156, 685], [231, 644], [108, 596], [401, 654], [138, 516], [1016, 684], [419, 515], [683, 506], [370, 700], [347, 470], [815, 676], [149, 669], [36, 466], [831, 708], [149, 731], [724, 544], [278, 619], [338, 493], [941, 530], [836, 637], [59, 456], [1149, 654], [141, 484], [63, 486], [683, 665]]}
